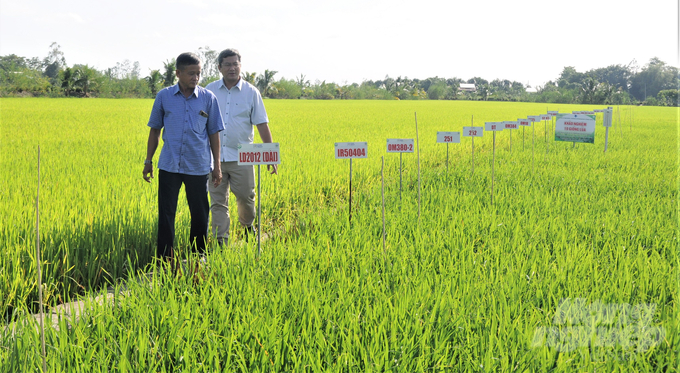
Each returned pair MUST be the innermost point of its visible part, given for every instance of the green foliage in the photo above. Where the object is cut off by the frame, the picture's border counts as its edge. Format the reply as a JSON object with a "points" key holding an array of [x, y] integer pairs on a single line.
{"points": [[614, 84], [287, 89], [656, 76], [264, 83], [169, 76], [668, 97], [155, 81]]}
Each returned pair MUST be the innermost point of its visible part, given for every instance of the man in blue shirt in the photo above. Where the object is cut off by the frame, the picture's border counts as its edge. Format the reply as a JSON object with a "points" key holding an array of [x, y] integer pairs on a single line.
{"points": [[190, 118]]}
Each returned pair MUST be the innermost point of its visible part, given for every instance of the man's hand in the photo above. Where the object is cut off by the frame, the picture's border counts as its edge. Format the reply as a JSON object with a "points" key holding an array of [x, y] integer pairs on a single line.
{"points": [[217, 175], [275, 169], [148, 172]]}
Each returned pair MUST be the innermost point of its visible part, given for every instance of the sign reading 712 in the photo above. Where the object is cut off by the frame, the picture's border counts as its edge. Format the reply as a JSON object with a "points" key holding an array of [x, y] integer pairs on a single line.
{"points": [[473, 131]]}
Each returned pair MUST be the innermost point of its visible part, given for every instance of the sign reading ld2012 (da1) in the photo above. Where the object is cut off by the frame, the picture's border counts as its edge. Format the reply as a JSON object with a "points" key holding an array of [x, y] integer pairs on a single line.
{"points": [[347, 150], [448, 137], [400, 145], [254, 154], [575, 128]]}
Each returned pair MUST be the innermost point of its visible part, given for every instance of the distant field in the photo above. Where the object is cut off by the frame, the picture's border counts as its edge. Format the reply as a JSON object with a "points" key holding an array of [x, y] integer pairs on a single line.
{"points": [[470, 286]]}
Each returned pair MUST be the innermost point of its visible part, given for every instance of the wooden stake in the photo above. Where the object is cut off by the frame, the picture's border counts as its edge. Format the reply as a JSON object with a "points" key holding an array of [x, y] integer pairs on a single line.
{"points": [[473, 148], [37, 249], [259, 212], [418, 148], [350, 191], [533, 145], [400, 189], [382, 174], [493, 162]]}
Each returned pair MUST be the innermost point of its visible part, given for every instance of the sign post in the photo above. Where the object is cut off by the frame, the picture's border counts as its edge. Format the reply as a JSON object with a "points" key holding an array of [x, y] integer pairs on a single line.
{"points": [[523, 123], [448, 138], [400, 146], [418, 146], [532, 119], [545, 118], [493, 126], [382, 176], [473, 132], [511, 125], [606, 122], [552, 114], [350, 150], [259, 154]]}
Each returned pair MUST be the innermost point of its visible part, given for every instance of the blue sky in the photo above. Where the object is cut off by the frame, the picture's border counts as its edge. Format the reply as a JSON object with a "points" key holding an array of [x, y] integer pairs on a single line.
{"points": [[352, 41]]}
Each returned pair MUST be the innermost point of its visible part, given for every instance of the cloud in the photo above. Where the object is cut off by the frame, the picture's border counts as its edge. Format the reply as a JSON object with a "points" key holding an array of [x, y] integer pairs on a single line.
{"points": [[76, 17]]}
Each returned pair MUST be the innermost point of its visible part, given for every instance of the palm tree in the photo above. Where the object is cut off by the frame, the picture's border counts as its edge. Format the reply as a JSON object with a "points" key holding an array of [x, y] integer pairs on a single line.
{"points": [[169, 74], [588, 90], [249, 77], [154, 80], [264, 81]]}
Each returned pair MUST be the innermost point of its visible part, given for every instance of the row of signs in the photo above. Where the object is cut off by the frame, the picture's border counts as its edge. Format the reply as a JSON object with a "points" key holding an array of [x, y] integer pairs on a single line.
{"points": [[579, 126]]}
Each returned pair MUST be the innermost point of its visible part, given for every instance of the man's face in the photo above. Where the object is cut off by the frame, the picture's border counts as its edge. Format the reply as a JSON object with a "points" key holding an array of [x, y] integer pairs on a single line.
{"points": [[230, 69], [189, 76]]}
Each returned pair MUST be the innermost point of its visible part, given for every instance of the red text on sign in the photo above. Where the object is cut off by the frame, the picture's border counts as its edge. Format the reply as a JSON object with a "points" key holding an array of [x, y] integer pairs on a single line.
{"points": [[356, 152], [400, 147]]}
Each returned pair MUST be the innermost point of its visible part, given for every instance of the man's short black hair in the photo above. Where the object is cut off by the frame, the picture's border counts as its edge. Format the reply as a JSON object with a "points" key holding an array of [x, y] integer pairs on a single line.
{"points": [[187, 59], [228, 53]]}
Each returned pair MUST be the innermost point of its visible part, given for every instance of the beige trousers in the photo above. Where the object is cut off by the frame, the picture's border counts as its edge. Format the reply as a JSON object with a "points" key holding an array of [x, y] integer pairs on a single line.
{"points": [[240, 180]]}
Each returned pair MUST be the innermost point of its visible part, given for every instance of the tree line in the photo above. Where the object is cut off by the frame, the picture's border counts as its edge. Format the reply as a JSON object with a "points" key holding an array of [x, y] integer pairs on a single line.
{"points": [[655, 83]]}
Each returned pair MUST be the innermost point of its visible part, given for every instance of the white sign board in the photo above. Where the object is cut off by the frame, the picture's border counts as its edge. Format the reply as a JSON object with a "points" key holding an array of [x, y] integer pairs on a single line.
{"points": [[346, 150], [575, 128], [493, 126], [607, 121], [534, 118], [524, 122], [473, 131], [400, 145], [546, 117], [448, 137], [598, 111], [553, 113], [256, 154], [510, 125]]}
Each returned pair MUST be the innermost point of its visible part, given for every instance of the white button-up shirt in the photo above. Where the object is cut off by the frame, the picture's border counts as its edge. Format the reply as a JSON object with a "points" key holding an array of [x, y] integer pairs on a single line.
{"points": [[241, 108]]}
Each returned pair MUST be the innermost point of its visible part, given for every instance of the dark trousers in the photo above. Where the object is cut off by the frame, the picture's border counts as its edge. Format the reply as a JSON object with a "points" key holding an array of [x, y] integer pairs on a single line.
{"points": [[197, 197]]}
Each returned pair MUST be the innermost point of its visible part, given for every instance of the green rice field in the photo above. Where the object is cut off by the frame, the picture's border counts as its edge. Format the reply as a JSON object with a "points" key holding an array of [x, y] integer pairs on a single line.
{"points": [[573, 267]]}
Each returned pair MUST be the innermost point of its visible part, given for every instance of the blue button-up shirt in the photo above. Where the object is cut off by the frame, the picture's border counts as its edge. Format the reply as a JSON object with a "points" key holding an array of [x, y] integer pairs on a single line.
{"points": [[186, 146]]}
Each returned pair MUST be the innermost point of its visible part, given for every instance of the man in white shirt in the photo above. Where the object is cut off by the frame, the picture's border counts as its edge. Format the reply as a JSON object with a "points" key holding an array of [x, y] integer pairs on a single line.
{"points": [[242, 108]]}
